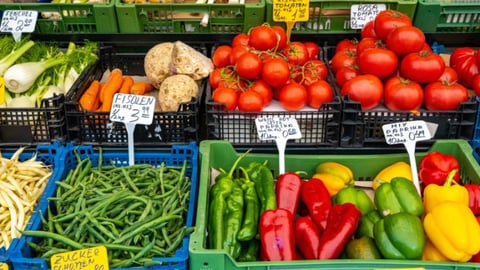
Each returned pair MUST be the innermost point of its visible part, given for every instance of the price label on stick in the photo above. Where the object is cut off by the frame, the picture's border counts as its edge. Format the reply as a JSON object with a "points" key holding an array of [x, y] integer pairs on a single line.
{"points": [[94, 258], [132, 110], [291, 11], [361, 14], [280, 129], [408, 133], [18, 22]]}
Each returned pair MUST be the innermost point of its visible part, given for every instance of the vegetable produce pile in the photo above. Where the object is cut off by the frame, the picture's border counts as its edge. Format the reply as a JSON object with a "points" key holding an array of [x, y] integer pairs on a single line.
{"points": [[137, 212], [262, 66], [21, 185], [329, 215], [33, 70], [393, 65]]}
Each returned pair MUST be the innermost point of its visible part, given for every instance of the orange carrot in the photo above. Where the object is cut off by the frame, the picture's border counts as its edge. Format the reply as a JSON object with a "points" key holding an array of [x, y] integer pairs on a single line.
{"points": [[141, 88], [111, 87], [126, 84], [113, 76], [90, 98]]}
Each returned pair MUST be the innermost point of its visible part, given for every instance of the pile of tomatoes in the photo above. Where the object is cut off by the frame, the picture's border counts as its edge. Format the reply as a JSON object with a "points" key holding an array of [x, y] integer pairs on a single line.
{"points": [[262, 65], [392, 63]]}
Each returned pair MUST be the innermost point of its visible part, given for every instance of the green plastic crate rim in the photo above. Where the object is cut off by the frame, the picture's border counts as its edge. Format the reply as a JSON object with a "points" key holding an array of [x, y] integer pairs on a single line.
{"points": [[221, 154], [186, 17], [71, 17], [333, 16], [453, 16]]}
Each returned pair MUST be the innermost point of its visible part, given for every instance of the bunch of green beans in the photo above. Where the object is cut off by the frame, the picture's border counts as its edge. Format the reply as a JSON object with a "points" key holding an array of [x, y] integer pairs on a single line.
{"points": [[137, 212]]}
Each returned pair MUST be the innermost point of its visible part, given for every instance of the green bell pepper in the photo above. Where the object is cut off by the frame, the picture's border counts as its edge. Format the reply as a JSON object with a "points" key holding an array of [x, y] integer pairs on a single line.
{"points": [[357, 196], [400, 236], [365, 226], [400, 195]]}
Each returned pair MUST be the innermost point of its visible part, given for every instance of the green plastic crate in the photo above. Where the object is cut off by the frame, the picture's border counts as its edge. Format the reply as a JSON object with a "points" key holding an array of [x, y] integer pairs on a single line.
{"points": [[333, 16], [70, 17], [446, 16], [221, 154], [186, 17]]}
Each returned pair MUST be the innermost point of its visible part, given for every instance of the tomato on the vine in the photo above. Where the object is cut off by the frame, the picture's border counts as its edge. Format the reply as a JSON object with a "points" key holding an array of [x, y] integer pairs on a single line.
{"points": [[275, 72], [312, 71], [313, 50], [402, 94], [248, 65], [262, 37], [387, 20], [226, 96], [318, 93], [380, 62], [236, 52], [366, 89], [296, 53], [344, 74], [422, 67], [465, 62], [223, 77], [344, 58], [292, 96], [281, 36], [221, 56], [405, 39], [250, 101], [443, 96], [265, 90], [240, 39]]}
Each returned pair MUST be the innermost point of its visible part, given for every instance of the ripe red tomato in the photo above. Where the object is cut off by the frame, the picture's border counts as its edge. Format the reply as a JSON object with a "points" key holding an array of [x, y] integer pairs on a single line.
{"points": [[449, 75], [222, 77], [221, 56], [296, 53], [380, 62], [422, 67], [367, 89], [344, 74], [292, 96], [313, 50], [369, 43], [265, 90], [441, 96], [236, 52], [387, 20], [250, 101], [346, 44], [368, 30], [281, 36], [344, 58], [402, 94], [312, 71], [405, 39], [318, 93], [275, 72], [248, 65], [226, 96], [262, 37], [464, 61], [240, 39], [476, 84]]}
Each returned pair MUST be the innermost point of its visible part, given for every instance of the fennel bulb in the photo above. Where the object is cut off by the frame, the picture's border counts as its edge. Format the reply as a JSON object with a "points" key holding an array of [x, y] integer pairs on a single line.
{"points": [[10, 59], [53, 90], [20, 77], [22, 101]]}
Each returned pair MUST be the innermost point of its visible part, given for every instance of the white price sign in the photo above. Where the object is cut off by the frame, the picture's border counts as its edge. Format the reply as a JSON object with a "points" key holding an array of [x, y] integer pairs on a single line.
{"points": [[403, 132], [272, 128], [18, 22], [136, 109], [361, 14]]}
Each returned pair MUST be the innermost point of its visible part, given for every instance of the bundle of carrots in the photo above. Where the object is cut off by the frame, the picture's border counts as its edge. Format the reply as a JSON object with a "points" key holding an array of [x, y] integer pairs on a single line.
{"points": [[98, 97]]}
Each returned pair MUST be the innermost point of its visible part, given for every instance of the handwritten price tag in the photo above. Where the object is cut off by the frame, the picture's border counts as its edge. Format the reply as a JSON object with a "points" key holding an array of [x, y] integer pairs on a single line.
{"points": [[403, 132], [3, 266], [95, 258], [136, 109], [361, 14], [18, 22], [290, 10], [272, 128]]}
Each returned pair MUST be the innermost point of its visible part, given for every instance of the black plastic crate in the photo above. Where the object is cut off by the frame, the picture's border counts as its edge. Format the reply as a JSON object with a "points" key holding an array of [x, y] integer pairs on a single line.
{"points": [[95, 128], [32, 126]]}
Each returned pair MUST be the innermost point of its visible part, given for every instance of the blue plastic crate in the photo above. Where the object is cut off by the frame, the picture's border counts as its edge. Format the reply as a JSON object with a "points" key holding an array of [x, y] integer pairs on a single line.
{"points": [[23, 256], [51, 155]]}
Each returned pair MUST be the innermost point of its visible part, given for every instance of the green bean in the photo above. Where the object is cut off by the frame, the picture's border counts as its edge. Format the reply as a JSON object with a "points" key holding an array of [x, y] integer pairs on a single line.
{"points": [[129, 262], [96, 234], [54, 236], [152, 224]]}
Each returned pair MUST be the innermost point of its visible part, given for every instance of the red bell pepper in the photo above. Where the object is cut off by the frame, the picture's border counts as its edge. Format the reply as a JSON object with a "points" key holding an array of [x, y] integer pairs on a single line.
{"points": [[342, 223], [435, 167], [277, 240], [317, 200], [476, 257], [287, 190], [473, 197], [307, 237]]}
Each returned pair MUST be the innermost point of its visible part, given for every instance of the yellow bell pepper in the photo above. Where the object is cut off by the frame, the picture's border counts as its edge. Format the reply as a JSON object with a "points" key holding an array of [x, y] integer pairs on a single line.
{"points": [[397, 169], [431, 253], [333, 183], [453, 230], [434, 194], [334, 175]]}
